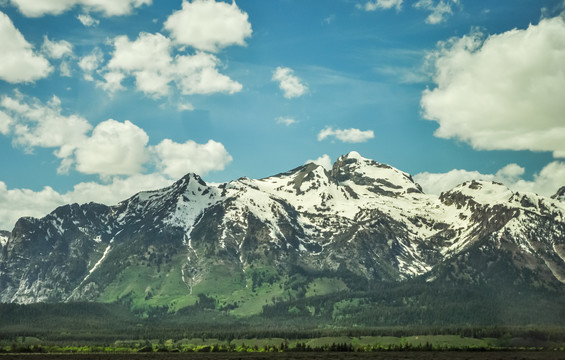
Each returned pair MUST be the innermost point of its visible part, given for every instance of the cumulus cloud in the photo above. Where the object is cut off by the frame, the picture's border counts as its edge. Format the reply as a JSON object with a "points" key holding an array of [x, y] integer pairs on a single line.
{"points": [[438, 9], [56, 49], [60, 50], [286, 120], [346, 135], [114, 148], [176, 160], [5, 123], [209, 25], [87, 20], [90, 63], [546, 182], [112, 81], [291, 85], [42, 125], [149, 52], [325, 161], [26, 202], [198, 74], [504, 91], [382, 4], [32, 8], [148, 59], [116, 189], [111, 148], [19, 62]]}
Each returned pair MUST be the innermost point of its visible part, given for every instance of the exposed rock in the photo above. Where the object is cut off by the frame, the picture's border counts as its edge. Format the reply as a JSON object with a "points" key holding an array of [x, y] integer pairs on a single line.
{"points": [[362, 221]]}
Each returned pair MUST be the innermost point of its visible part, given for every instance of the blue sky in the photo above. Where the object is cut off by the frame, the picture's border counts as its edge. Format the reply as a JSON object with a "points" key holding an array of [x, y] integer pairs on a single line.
{"points": [[104, 98]]}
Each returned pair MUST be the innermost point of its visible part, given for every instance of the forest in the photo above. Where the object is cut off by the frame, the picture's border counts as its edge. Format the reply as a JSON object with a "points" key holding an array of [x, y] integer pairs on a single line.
{"points": [[502, 316]]}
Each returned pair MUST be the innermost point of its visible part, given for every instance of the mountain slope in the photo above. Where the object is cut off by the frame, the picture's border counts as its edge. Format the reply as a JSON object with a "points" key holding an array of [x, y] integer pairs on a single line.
{"points": [[305, 232]]}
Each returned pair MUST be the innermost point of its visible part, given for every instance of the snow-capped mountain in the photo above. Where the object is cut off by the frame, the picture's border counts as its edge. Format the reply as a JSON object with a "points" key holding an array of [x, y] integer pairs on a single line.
{"points": [[358, 223]]}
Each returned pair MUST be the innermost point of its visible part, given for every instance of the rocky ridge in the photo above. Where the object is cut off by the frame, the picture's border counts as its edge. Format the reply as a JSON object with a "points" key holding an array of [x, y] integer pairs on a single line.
{"points": [[356, 223]]}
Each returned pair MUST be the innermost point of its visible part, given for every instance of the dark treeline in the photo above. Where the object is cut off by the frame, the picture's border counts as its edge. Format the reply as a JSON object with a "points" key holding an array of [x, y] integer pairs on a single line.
{"points": [[88, 323], [383, 309]]}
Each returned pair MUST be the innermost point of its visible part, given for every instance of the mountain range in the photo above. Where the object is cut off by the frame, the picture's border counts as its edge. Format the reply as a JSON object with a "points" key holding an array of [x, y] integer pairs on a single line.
{"points": [[307, 233]]}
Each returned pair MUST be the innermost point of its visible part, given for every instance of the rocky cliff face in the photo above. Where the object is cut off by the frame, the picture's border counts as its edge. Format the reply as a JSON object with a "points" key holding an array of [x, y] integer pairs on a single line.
{"points": [[359, 222], [560, 194]]}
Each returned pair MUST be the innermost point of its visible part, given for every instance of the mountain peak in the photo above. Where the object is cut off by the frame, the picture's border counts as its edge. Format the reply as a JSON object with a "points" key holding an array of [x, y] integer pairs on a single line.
{"points": [[482, 192], [560, 194], [353, 155], [362, 218], [381, 178], [191, 177]]}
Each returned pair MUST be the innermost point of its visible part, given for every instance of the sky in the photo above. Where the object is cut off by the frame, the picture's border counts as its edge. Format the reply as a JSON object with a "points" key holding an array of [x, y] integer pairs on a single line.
{"points": [[100, 99]]}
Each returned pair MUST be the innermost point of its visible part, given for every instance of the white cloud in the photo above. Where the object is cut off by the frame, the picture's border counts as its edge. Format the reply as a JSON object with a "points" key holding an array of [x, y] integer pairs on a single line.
{"points": [[60, 50], [149, 60], [382, 4], [291, 85], [546, 182], [111, 148], [5, 123], [90, 63], [209, 25], [38, 125], [56, 49], [438, 9], [286, 120], [510, 172], [150, 52], [176, 160], [16, 203], [117, 189], [34, 8], [198, 74], [325, 161], [19, 62], [87, 20], [65, 69], [112, 81], [346, 135], [114, 148], [185, 106], [505, 92]]}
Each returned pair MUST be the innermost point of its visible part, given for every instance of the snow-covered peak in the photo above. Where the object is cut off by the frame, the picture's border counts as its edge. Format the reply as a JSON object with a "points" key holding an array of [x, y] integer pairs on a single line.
{"points": [[353, 155], [190, 183], [354, 170], [297, 181], [190, 178], [481, 192]]}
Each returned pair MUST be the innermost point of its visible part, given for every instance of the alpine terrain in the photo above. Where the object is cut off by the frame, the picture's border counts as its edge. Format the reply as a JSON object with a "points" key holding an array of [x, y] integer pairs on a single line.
{"points": [[294, 243]]}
